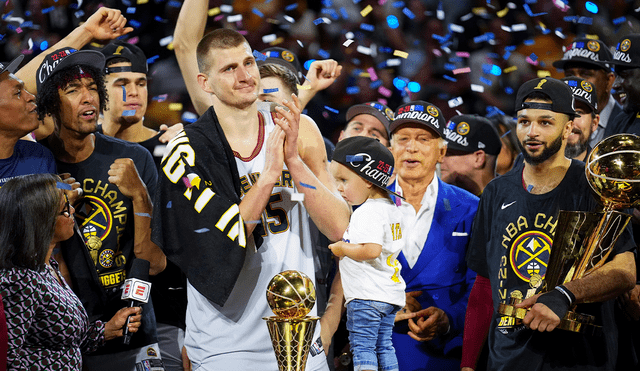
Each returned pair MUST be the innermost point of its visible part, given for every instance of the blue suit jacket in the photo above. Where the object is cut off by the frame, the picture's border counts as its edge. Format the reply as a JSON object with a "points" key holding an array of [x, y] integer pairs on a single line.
{"points": [[442, 275]]}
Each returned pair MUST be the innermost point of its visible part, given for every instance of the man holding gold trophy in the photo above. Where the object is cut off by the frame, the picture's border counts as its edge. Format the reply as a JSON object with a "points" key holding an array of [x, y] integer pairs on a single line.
{"points": [[518, 218]]}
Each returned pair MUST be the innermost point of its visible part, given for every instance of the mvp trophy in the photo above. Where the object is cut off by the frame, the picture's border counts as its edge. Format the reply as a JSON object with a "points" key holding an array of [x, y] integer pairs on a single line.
{"points": [[291, 296], [583, 240]]}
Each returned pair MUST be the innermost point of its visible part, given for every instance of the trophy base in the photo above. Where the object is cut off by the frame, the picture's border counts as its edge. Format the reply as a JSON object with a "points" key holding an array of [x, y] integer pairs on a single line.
{"points": [[291, 339], [572, 321]]}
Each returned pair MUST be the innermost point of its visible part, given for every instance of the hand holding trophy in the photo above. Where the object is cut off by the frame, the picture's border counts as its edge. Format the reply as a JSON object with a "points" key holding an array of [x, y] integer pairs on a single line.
{"points": [[584, 240], [291, 296]]}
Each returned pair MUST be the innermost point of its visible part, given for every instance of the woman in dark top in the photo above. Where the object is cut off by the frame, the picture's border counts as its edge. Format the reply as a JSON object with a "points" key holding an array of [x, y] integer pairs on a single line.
{"points": [[47, 326]]}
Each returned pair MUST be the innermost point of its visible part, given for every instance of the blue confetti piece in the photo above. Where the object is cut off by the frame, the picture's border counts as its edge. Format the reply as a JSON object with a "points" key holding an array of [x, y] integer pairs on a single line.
{"points": [[375, 84], [307, 185], [529, 42], [398, 4], [352, 158], [131, 10], [318, 21], [124, 94], [189, 116], [414, 87], [258, 12], [143, 214], [449, 66], [508, 90], [259, 56], [26, 24], [486, 81], [573, 83], [44, 45], [453, 79], [529, 188], [510, 48], [570, 18], [331, 109], [62, 185], [533, 57], [399, 83], [28, 12], [160, 19], [324, 54], [267, 91], [353, 90], [78, 14], [202, 230], [7, 15], [506, 55], [408, 13], [169, 205], [619, 20], [441, 39], [591, 7], [152, 59], [392, 21], [47, 10], [174, 4], [11, 27], [493, 110], [344, 13], [127, 113], [290, 7], [135, 23], [455, 60], [367, 27], [530, 13], [585, 20]]}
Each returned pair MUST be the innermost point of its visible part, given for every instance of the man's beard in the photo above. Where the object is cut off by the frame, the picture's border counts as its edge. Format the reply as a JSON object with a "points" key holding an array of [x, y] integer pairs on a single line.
{"points": [[574, 150], [549, 151]]}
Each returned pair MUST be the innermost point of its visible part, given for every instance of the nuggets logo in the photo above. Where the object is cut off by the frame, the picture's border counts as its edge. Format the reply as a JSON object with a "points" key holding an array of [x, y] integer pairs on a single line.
{"points": [[462, 128], [625, 45], [287, 56], [151, 352], [539, 86], [94, 217], [389, 113], [106, 258], [530, 254], [432, 111], [586, 86], [593, 45]]}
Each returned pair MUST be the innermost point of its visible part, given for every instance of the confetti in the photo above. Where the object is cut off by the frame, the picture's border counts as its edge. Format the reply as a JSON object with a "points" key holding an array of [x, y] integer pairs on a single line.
{"points": [[131, 10], [351, 90], [62, 185], [440, 12], [372, 73], [485, 81], [510, 69], [352, 158], [502, 13], [259, 56], [152, 59], [544, 73], [452, 79], [166, 40], [330, 110], [364, 12], [169, 205], [561, 5], [363, 50], [455, 102], [304, 87], [414, 87], [384, 91], [297, 197], [408, 13], [78, 14], [234, 18], [143, 214], [127, 113], [393, 62], [267, 91], [269, 38], [400, 53], [257, 12], [456, 28], [619, 20], [213, 11], [461, 70], [530, 13], [463, 54], [309, 185], [324, 54], [519, 27], [175, 106], [226, 8], [375, 84], [124, 93], [142, 2], [135, 23], [591, 7], [347, 43], [392, 21], [202, 230], [291, 7], [47, 10], [289, 19], [477, 88], [367, 27]]}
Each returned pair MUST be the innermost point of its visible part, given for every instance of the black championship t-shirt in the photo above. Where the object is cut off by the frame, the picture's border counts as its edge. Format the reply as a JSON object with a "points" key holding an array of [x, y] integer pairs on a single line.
{"points": [[511, 243], [105, 218]]}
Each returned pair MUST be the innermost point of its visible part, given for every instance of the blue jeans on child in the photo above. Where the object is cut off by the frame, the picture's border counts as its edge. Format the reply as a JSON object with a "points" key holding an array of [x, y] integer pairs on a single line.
{"points": [[370, 324]]}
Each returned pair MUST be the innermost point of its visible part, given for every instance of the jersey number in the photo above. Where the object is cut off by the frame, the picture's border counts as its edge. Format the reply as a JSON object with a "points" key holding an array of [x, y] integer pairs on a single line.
{"points": [[281, 222]]}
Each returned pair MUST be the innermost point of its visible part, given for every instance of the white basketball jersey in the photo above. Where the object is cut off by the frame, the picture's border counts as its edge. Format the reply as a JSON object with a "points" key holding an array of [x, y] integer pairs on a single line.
{"points": [[235, 337]]}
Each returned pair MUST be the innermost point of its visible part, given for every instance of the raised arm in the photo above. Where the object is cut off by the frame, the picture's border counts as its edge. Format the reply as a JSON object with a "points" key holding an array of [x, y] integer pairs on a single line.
{"points": [[190, 26], [320, 76], [104, 24], [306, 159]]}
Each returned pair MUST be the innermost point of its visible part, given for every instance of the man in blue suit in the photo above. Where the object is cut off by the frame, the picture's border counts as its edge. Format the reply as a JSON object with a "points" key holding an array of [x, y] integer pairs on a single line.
{"points": [[428, 331]]}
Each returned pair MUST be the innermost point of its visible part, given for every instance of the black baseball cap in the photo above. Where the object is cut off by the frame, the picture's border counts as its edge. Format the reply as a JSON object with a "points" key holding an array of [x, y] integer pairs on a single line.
{"points": [[469, 133], [419, 112], [67, 57], [368, 158], [376, 109], [588, 51], [584, 91], [627, 54], [285, 58], [13, 65], [130, 52], [558, 92]]}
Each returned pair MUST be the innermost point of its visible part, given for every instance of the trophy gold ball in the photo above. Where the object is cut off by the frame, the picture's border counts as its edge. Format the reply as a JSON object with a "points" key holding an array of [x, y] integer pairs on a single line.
{"points": [[613, 171], [291, 294]]}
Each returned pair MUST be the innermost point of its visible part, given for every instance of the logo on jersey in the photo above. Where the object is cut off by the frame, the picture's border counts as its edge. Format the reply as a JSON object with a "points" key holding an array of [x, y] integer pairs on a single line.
{"points": [[106, 258], [530, 254], [94, 218]]}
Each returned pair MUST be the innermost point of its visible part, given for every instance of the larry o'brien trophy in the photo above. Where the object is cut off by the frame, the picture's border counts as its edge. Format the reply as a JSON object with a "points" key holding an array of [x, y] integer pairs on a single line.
{"points": [[291, 296], [583, 240]]}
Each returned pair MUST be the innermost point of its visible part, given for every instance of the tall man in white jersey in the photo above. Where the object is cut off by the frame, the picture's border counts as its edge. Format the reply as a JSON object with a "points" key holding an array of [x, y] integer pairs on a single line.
{"points": [[239, 169]]}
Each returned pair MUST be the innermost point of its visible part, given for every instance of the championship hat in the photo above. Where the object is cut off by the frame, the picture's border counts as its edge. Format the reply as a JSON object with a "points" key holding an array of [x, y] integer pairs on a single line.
{"points": [[284, 58], [627, 54], [368, 158], [584, 91], [13, 65], [376, 109], [469, 133], [589, 51], [419, 112], [130, 52], [67, 57], [558, 92]]}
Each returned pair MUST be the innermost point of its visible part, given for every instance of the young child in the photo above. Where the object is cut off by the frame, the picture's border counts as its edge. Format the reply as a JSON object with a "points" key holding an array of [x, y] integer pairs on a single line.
{"points": [[373, 287]]}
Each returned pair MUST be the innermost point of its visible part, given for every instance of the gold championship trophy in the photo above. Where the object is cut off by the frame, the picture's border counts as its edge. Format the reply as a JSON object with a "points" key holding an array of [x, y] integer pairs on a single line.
{"points": [[583, 240], [291, 296]]}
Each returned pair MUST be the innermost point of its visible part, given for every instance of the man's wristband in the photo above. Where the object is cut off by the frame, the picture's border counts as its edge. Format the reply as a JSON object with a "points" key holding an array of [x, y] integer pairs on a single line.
{"points": [[558, 300]]}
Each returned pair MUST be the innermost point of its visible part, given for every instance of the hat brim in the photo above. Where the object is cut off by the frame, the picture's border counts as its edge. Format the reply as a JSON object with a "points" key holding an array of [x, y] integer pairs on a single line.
{"points": [[282, 63], [563, 62], [395, 125], [82, 57], [368, 110]]}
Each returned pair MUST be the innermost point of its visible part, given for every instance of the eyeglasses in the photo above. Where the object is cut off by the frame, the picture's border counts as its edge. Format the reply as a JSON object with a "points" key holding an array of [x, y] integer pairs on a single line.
{"points": [[66, 211]]}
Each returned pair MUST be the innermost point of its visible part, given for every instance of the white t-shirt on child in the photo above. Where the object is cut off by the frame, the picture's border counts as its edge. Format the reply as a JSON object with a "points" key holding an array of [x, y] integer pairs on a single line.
{"points": [[376, 221]]}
